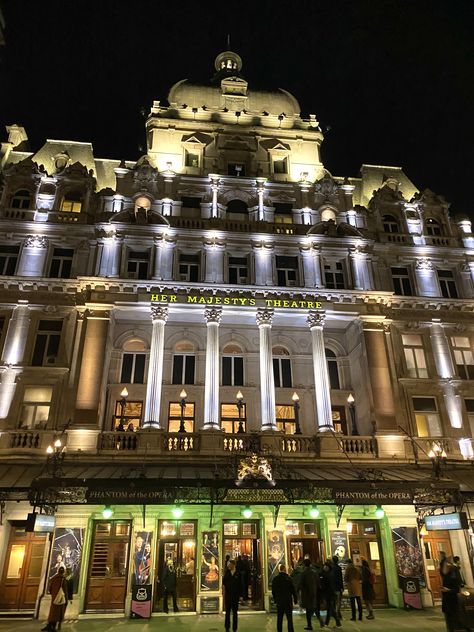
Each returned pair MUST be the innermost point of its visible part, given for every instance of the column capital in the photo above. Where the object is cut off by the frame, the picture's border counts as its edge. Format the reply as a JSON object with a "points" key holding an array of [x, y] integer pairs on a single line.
{"points": [[264, 316], [159, 312], [213, 315], [316, 319]]}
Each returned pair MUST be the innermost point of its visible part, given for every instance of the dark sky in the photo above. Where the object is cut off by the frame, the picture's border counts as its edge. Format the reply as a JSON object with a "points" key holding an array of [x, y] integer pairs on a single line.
{"points": [[392, 79]]}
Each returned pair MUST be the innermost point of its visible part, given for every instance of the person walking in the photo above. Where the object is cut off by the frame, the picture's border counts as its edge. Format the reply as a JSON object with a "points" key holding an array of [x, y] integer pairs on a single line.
{"points": [[232, 586], [328, 593], [338, 584], [284, 595], [58, 589], [352, 578], [451, 585], [368, 593], [309, 593], [169, 585]]}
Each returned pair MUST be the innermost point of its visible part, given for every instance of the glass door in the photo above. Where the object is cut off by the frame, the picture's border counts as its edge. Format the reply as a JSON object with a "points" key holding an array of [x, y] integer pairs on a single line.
{"points": [[304, 540], [433, 544], [242, 544], [364, 542]]}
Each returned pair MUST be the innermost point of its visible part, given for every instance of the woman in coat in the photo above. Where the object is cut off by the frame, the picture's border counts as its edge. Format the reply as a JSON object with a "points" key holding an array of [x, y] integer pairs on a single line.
{"points": [[56, 611], [352, 578], [368, 593], [309, 588]]}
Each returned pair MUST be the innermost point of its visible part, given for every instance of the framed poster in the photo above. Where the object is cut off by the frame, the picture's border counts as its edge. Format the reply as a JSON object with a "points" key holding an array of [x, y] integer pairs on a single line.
{"points": [[186, 528], [409, 563], [231, 528], [248, 528], [210, 561], [67, 553], [275, 553], [141, 564]]}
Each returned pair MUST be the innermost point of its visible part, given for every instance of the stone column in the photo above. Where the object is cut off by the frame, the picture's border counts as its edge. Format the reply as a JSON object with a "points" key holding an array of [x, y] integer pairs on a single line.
{"points": [[446, 371], [267, 383], [33, 257], [214, 272], [263, 263], [311, 256], [108, 265], [211, 390], [260, 193], [12, 356], [159, 315], [214, 178], [164, 249], [321, 376], [426, 278]]}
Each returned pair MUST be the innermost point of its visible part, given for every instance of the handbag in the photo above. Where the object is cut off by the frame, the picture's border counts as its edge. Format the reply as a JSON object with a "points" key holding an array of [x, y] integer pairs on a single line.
{"points": [[60, 598]]}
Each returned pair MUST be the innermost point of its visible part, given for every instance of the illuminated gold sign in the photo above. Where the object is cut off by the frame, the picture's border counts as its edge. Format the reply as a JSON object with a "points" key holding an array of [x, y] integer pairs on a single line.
{"points": [[237, 301]]}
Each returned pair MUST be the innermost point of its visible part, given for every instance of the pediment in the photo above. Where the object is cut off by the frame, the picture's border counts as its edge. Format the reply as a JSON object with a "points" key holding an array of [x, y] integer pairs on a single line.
{"points": [[25, 167], [274, 144], [197, 138], [141, 216]]}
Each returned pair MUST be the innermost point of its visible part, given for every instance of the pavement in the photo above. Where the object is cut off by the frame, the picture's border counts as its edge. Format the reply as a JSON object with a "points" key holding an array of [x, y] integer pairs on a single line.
{"points": [[389, 620]]}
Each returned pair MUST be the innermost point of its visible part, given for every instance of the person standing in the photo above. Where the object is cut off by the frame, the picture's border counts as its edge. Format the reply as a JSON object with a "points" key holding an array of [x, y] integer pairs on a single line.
{"points": [[338, 584], [169, 586], [451, 585], [309, 589], [58, 589], [352, 579], [232, 585], [328, 593], [284, 595], [368, 593]]}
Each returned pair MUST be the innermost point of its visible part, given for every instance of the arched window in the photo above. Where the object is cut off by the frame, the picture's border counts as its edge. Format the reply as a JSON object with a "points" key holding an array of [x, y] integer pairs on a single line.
{"points": [[237, 206], [328, 214], [433, 227], [333, 369], [142, 202], [281, 367], [133, 362], [21, 199], [390, 224], [232, 365], [184, 362], [72, 202]]}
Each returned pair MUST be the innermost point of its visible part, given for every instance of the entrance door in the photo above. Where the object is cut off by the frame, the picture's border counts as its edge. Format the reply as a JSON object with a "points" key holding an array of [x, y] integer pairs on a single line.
{"points": [[242, 544], [22, 570], [108, 567], [434, 543], [364, 542], [303, 540]]}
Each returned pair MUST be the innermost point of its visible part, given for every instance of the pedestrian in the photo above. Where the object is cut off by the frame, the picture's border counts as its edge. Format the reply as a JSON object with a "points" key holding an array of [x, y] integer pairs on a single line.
{"points": [[338, 583], [353, 579], [232, 585], [169, 585], [58, 589], [328, 593], [284, 595], [449, 597], [443, 560], [368, 593], [309, 599], [458, 568]]}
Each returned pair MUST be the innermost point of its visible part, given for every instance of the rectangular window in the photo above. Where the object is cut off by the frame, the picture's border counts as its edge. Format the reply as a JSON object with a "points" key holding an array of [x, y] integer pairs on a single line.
{"points": [[174, 417], [133, 368], [189, 268], [401, 282], [426, 417], [35, 407], [414, 355], [339, 419], [47, 340], [334, 276], [191, 202], [138, 264], [232, 371], [128, 414], [287, 271], [236, 169], [463, 357], [282, 372], [238, 270], [283, 213], [230, 417], [280, 166], [285, 418], [469, 403], [447, 284], [61, 263], [8, 259], [183, 369], [191, 160]]}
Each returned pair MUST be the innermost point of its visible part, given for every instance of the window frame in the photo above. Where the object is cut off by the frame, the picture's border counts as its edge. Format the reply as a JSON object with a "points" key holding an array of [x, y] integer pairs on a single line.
{"points": [[332, 361], [389, 222], [285, 270], [117, 416], [64, 270], [24, 200], [429, 412], [233, 420], [401, 278], [133, 368], [415, 373], [140, 261], [467, 368], [279, 374], [184, 369], [47, 338], [35, 403], [9, 260], [232, 358], [195, 265], [284, 423], [176, 419], [238, 267], [447, 284]]}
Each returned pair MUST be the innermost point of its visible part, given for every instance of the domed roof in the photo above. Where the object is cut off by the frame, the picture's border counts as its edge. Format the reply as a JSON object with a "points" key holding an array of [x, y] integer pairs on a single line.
{"points": [[228, 65]]}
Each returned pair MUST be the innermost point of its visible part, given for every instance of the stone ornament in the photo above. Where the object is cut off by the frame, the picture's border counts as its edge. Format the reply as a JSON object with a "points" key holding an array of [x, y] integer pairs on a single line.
{"points": [[424, 264], [213, 314], [264, 317], [316, 319], [159, 312], [36, 241]]}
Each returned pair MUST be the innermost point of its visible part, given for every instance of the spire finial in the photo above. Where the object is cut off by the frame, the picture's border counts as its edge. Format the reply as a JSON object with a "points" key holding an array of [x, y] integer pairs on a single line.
{"points": [[228, 41]]}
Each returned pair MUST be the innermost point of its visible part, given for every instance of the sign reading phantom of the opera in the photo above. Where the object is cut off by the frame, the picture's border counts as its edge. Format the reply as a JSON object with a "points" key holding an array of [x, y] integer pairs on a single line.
{"points": [[239, 300], [372, 496]]}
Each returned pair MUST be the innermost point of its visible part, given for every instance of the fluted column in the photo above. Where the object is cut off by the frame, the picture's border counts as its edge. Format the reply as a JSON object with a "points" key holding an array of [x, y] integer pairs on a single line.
{"points": [[214, 249], [426, 278], [12, 356], [159, 317], [446, 371], [321, 376], [263, 262], [267, 383], [211, 390], [311, 256], [214, 178], [260, 193]]}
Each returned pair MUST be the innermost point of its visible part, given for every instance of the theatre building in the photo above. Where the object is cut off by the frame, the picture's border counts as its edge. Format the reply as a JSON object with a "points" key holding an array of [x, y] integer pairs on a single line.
{"points": [[224, 350]]}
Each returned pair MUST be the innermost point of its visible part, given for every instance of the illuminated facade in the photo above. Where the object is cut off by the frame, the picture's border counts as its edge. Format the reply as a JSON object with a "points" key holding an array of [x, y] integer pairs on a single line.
{"points": [[170, 309]]}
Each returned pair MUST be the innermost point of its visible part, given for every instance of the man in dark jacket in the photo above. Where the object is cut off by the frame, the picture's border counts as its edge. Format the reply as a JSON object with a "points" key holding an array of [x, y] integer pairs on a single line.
{"points": [[338, 584], [232, 584], [169, 585], [309, 597], [328, 593], [284, 595]]}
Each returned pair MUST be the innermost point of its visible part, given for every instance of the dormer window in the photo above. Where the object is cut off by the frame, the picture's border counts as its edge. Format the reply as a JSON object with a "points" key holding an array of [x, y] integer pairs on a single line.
{"points": [[72, 202], [191, 160], [21, 199], [280, 165], [432, 227], [390, 224], [142, 202]]}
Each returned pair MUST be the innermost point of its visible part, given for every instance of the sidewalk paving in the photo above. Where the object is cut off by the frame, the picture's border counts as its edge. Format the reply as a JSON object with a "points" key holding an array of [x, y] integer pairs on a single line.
{"points": [[429, 620]]}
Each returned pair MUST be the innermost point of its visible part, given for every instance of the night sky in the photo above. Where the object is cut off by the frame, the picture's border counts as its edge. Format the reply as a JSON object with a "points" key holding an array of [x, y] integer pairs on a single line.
{"points": [[391, 82]]}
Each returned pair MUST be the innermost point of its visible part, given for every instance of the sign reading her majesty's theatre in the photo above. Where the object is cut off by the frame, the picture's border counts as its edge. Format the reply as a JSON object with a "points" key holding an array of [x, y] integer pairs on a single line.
{"points": [[238, 300]]}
